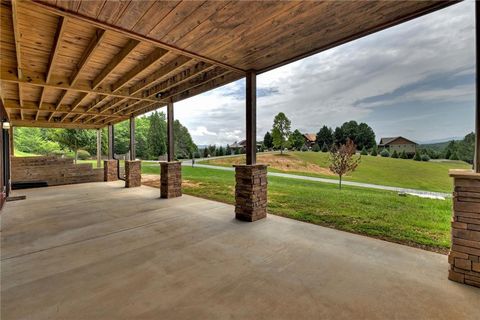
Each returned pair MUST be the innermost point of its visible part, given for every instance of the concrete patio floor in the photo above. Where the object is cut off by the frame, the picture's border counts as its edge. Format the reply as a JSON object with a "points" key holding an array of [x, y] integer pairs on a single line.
{"points": [[100, 251]]}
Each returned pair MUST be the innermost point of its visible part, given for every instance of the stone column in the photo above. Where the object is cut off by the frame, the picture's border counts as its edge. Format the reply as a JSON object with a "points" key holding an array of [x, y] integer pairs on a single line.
{"points": [[250, 192], [464, 256], [133, 173], [110, 170], [170, 179]]}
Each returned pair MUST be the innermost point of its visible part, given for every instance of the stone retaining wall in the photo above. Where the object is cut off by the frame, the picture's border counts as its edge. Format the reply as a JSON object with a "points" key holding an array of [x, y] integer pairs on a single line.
{"points": [[250, 192], [464, 257], [170, 179]]}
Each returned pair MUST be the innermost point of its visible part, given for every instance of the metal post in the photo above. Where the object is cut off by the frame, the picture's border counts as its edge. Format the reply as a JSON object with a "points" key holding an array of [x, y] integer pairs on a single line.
{"points": [[477, 89], [99, 148], [111, 137], [132, 138], [170, 138], [251, 117]]}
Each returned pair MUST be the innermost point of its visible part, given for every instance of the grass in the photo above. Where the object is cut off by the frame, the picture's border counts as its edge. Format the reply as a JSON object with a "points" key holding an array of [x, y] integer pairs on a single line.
{"points": [[431, 176], [382, 214], [18, 153]]}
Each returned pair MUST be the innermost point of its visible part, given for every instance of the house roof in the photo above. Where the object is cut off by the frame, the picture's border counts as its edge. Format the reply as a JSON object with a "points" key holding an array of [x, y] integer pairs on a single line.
{"points": [[312, 137], [90, 63], [389, 140]]}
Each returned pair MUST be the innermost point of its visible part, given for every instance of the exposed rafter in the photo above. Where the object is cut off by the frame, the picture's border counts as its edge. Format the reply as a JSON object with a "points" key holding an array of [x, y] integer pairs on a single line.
{"points": [[62, 22], [75, 105], [87, 55]]}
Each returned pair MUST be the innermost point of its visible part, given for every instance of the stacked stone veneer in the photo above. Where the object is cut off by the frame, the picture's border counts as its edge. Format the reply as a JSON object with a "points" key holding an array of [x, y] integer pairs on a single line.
{"points": [[133, 173], [464, 257], [250, 192], [110, 170], [170, 179]]}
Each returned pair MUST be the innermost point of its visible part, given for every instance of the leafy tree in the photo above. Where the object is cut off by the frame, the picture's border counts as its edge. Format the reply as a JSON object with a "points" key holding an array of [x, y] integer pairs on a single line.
{"points": [[385, 153], [316, 147], [72, 139], [325, 147], [374, 151], [364, 152], [296, 140], [417, 157], [325, 136], [365, 137], [228, 151], [394, 154], [184, 145], [342, 160], [268, 140], [157, 135], [281, 131], [454, 156], [350, 130], [205, 152], [338, 136], [220, 151]]}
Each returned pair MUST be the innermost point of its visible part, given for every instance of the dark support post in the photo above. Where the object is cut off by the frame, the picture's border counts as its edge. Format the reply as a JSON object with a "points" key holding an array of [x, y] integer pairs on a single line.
{"points": [[110, 141], [132, 138], [170, 139], [99, 147], [110, 166], [477, 89], [251, 117]]}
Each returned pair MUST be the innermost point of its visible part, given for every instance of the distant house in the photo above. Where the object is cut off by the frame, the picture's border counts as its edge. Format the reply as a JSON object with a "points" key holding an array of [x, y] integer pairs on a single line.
{"points": [[398, 144], [310, 139], [238, 145]]}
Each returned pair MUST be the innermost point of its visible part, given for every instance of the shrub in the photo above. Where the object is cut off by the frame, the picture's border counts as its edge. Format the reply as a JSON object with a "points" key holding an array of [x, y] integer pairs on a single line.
{"points": [[425, 157], [403, 155], [304, 148], [394, 154], [316, 147], [83, 155], [417, 157], [385, 153], [325, 147], [374, 151], [364, 152]]}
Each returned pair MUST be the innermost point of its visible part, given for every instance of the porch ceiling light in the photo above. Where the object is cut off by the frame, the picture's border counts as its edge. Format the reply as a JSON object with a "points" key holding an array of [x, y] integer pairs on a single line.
{"points": [[6, 125]]}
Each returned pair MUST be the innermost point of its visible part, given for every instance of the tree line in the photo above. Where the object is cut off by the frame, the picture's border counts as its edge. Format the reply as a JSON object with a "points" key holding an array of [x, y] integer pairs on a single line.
{"points": [[150, 138]]}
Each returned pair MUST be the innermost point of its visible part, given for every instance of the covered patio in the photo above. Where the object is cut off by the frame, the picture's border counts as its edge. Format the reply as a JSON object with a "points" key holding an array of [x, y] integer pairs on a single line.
{"points": [[83, 252], [114, 249]]}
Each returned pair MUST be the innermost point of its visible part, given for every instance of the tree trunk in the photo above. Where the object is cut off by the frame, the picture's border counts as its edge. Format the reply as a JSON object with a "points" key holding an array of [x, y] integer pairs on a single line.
{"points": [[340, 183], [76, 156]]}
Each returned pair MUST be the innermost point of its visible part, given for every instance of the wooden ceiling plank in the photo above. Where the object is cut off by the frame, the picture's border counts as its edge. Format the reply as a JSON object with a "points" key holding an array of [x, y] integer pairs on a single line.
{"points": [[56, 45], [48, 124], [158, 75], [75, 105], [115, 62], [154, 57], [87, 55], [17, 36], [57, 105], [42, 96]]}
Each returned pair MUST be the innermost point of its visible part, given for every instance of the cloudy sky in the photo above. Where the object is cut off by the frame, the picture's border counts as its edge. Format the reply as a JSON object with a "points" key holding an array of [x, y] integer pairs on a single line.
{"points": [[416, 80]]}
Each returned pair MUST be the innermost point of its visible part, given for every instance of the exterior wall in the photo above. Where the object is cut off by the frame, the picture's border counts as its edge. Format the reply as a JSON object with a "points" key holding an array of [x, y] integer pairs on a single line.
{"points": [[170, 179], [408, 148], [464, 256], [250, 192], [53, 170]]}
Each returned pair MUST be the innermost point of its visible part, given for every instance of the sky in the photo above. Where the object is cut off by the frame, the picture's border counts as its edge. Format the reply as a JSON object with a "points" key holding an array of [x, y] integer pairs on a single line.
{"points": [[416, 80]]}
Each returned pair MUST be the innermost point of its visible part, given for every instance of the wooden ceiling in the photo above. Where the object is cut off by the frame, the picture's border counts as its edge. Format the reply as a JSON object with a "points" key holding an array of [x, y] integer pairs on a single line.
{"points": [[89, 63]]}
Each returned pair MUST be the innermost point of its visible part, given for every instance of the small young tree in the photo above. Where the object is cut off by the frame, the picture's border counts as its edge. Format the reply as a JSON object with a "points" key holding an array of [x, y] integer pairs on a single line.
{"points": [[417, 157], [304, 148], [268, 140], [385, 153], [281, 131], [364, 152], [403, 155], [296, 140], [374, 152], [316, 147], [325, 147], [394, 154], [72, 139], [425, 157], [342, 160]]}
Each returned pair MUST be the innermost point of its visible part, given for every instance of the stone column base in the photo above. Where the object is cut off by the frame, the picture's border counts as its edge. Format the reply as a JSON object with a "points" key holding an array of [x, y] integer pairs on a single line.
{"points": [[133, 173], [170, 179], [250, 192], [464, 257], [110, 170]]}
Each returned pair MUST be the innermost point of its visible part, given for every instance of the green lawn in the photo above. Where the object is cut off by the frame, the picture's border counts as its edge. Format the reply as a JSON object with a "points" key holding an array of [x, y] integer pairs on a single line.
{"points": [[382, 214], [431, 176]]}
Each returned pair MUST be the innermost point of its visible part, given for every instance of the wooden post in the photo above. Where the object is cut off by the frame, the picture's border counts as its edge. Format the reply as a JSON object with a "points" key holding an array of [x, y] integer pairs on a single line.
{"points": [[477, 89], [10, 134], [111, 134], [251, 117], [99, 148], [132, 138], [170, 138]]}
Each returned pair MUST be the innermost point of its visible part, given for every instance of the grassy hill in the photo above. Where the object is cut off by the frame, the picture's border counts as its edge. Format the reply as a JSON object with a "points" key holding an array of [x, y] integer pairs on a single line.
{"points": [[431, 176]]}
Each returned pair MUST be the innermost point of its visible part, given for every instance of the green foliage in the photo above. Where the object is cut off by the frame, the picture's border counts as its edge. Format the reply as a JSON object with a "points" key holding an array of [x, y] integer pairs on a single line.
{"points": [[394, 154], [374, 151], [325, 147], [338, 136], [228, 151], [268, 140], [385, 153], [281, 131], [83, 154], [34, 140], [296, 140], [364, 152], [184, 145], [72, 139], [325, 136], [157, 136], [425, 157], [403, 155], [417, 157], [454, 156], [316, 147], [304, 148]]}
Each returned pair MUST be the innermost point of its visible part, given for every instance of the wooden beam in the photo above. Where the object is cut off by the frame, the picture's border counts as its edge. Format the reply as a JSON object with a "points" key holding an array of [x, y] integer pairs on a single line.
{"points": [[75, 105], [251, 117], [59, 102], [109, 105], [48, 124], [62, 22], [42, 96], [154, 57], [87, 55], [159, 75], [99, 148], [62, 83], [17, 36], [111, 142], [115, 62], [170, 138], [135, 36]]}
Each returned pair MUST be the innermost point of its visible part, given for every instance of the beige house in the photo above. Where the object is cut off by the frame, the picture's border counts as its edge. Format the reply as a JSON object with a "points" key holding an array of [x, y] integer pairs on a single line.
{"points": [[310, 139], [398, 144]]}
